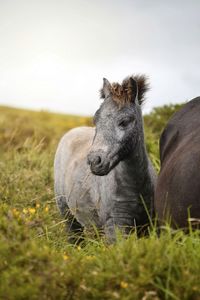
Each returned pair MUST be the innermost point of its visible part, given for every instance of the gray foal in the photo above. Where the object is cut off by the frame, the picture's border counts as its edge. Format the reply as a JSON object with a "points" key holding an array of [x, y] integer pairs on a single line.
{"points": [[102, 173]]}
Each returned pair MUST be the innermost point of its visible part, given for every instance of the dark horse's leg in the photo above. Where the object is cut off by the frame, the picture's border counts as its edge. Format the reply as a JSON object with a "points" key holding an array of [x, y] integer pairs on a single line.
{"points": [[73, 228]]}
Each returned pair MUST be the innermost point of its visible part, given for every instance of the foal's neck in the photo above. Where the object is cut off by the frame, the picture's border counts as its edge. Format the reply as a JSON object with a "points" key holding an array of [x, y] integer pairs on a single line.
{"points": [[136, 166]]}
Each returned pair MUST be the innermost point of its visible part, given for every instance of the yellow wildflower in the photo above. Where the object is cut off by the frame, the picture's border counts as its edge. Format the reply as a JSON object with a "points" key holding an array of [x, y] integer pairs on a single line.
{"points": [[79, 248], [89, 257], [25, 210], [46, 209], [15, 212], [32, 210], [123, 284], [37, 205], [95, 273], [65, 257]]}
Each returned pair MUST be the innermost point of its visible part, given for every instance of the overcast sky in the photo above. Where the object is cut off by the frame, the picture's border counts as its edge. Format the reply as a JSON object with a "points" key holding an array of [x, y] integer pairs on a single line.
{"points": [[54, 53]]}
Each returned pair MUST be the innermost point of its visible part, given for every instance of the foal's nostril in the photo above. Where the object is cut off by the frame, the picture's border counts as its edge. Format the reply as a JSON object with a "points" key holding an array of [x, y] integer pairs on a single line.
{"points": [[94, 159], [97, 160]]}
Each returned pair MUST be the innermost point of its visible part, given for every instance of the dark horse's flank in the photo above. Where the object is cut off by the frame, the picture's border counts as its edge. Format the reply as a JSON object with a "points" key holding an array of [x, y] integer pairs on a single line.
{"points": [[177, 194]]}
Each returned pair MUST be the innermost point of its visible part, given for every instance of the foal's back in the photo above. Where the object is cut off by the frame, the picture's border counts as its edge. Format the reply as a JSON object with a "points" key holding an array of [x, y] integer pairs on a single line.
{"points": [[178, 188]]}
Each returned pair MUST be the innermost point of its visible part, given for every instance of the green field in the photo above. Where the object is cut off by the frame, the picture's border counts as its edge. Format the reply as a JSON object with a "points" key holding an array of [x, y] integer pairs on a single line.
{"points": [[36, 262]]}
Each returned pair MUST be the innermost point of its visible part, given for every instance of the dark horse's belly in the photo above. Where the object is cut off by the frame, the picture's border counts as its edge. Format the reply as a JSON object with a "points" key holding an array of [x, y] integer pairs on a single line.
{"points": [[177, 195]]}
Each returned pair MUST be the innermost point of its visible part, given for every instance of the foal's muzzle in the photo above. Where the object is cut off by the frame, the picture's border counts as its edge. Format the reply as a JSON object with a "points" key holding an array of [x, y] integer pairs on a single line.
{"points": [[98, 163]]}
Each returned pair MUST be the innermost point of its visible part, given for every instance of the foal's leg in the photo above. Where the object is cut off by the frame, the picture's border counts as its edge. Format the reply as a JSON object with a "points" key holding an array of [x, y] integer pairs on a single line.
{"points": [[73, 228], [119, 222]]}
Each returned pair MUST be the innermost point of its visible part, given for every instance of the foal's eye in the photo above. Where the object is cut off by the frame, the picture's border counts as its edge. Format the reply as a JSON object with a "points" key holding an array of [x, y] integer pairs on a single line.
{"points": [[124, 123]]}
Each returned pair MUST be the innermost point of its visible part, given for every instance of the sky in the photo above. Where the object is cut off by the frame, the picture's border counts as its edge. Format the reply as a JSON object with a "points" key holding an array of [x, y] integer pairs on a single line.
{"points": [[55, 53]]}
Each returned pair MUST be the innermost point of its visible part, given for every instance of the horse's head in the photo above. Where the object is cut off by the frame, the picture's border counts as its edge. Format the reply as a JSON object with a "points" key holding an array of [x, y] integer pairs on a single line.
{"points": [[118, 124]]}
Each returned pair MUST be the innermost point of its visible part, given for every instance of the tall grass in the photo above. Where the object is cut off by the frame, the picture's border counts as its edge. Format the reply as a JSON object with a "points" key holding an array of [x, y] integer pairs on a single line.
{"points": [[37, 262]]}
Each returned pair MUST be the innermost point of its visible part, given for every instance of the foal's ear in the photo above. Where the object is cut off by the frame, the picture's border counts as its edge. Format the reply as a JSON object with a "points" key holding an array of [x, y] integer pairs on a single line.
{"points": [[106, 88], [133, 89]]}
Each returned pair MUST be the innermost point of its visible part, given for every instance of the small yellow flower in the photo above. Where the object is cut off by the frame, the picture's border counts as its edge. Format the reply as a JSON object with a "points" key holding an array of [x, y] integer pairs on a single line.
{"points": [[46, 209], [15, 212], [123, 284], [95, 273], [37, 205], [89, 257], [25, 210], [79, 248], [65, 257], [32, 210]]}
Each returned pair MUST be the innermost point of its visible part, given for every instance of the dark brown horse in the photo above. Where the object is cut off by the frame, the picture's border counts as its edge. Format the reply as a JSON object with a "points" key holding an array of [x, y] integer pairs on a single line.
{"points": [[177, 196]]}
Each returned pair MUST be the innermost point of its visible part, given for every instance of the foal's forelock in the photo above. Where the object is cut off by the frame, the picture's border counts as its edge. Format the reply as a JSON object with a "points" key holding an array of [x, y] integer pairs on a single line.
{"points": [[122, 93]]}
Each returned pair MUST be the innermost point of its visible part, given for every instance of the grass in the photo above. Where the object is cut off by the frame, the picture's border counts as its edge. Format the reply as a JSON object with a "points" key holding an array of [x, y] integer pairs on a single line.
{"points": [[36, 262]]}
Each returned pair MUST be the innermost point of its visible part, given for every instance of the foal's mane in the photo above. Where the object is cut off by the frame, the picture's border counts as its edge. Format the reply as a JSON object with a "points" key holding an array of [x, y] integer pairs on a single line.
{"points": [[122, 93]]}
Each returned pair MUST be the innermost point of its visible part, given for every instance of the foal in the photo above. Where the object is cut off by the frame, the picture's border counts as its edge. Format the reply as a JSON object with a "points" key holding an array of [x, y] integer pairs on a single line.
{"points": [[103, 175]]}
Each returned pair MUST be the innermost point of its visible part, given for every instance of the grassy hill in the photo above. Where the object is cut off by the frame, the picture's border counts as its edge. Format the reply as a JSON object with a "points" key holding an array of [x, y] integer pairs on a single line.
{"points": [[36, 262]]}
